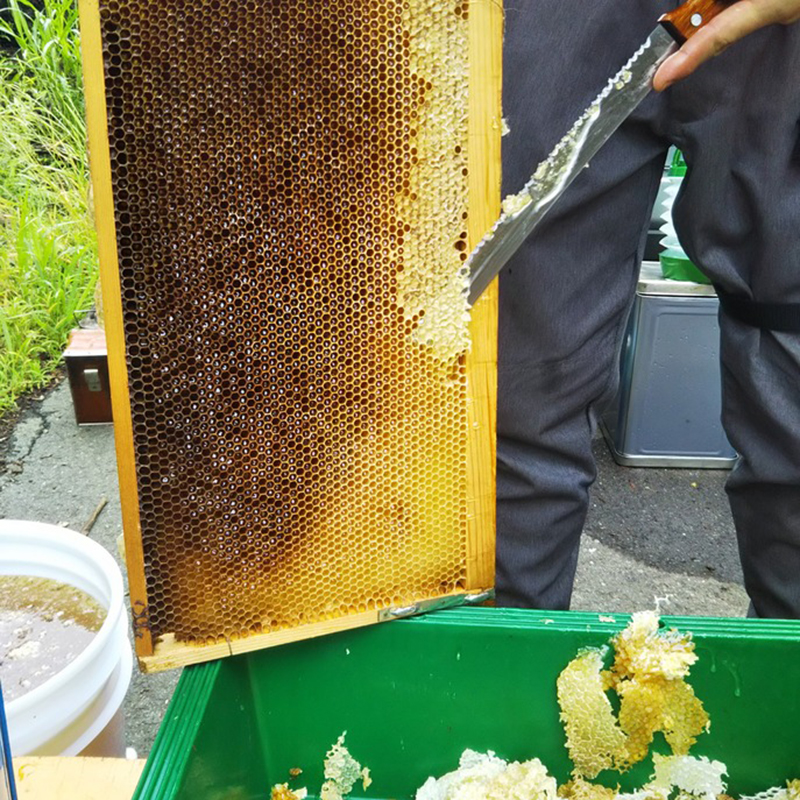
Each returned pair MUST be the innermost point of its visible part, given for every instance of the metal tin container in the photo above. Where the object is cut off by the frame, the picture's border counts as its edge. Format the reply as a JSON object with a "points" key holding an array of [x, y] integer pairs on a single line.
{"points": [[667, 409]]}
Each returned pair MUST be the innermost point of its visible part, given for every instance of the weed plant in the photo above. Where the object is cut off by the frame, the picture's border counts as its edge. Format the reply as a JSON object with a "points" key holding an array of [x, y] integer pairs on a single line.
{"points": [[47, 242]]}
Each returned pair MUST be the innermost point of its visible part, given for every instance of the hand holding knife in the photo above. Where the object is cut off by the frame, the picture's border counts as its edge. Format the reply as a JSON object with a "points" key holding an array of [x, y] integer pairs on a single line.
{"points": [[702, 27], [732, 24]]}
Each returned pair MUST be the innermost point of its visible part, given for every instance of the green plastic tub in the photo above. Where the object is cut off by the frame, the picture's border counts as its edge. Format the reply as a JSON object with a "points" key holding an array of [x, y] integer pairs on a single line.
{"points": [[413, 694]]}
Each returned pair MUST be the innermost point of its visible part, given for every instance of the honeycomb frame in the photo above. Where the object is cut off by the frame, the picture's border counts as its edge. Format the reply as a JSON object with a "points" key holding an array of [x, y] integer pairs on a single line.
{"points": [[372, 486]]}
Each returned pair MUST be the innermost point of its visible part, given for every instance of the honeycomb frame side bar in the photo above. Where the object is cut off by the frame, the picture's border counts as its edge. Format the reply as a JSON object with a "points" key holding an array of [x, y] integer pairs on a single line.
{"points": [[100, 168]]}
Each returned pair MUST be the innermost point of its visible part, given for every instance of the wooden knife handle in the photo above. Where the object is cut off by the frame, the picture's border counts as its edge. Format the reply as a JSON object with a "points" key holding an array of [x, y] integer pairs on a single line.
{"points": [[686, 20]]}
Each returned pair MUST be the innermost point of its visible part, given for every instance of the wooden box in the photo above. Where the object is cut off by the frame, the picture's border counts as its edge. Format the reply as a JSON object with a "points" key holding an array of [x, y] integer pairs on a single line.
{"points": [[86, 359]]}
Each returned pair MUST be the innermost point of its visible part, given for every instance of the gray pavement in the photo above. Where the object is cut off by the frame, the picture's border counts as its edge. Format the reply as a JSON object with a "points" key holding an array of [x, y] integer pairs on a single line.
{"points": [[663, 534], [654, 537]]}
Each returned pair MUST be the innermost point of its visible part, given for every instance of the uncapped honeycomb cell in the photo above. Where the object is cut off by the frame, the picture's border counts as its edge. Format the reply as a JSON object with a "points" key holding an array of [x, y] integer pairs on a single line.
{"points": [[675, 778], [580, 789], [648, 675], [791, 791], [342, 772], [594, 738], [290, 194], [281, 791], [485, 776], [696, 777]]}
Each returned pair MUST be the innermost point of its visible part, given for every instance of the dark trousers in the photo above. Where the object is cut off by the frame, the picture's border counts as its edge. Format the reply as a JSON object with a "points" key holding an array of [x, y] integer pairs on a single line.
{"points": [[564, 299]]}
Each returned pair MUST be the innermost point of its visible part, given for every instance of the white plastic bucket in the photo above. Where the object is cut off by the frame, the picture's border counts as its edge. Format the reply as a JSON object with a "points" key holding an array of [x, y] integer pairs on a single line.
{"points": [[82, 703]]}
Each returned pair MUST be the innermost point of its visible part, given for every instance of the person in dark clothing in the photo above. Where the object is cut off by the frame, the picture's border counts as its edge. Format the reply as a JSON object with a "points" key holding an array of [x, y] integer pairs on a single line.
{"points": [[565, 297]]}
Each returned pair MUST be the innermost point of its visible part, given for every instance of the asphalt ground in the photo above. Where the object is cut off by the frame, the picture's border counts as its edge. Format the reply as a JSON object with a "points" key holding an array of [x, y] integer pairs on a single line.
{"points": [[655, 538]]}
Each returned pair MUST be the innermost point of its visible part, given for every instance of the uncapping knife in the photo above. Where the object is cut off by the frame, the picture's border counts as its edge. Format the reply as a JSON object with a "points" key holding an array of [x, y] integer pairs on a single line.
{"points": [[622, 94]]}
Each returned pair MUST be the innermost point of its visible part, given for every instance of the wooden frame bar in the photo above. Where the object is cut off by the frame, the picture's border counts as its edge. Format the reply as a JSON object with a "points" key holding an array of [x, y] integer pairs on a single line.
{"points": [[100, 164]]}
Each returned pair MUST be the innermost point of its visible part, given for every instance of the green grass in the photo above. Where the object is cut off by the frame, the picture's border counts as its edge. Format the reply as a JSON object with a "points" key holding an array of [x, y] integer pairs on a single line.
{"points": [[47, 243]]}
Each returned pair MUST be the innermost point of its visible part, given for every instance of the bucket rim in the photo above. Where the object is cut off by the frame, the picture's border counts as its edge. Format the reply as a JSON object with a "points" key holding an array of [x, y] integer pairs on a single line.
{"points": [[54, 541]]}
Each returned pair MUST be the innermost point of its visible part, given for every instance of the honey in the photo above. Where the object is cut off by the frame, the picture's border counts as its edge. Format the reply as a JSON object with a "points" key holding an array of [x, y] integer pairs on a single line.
{"points": [[44, 625]]}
